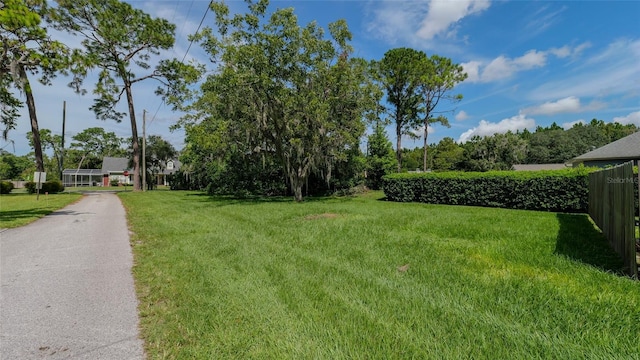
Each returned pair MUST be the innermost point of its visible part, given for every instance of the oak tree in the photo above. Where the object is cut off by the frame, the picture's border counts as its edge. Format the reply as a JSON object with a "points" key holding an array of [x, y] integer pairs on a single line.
{"points": [[284, 90]]}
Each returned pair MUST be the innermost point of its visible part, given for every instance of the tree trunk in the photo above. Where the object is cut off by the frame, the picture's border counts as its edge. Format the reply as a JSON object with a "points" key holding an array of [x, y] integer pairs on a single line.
{"points": [[426, 133], [35, 131], [135, 150], [81, 160], [297, 192], [399, 144], [297, 183]]}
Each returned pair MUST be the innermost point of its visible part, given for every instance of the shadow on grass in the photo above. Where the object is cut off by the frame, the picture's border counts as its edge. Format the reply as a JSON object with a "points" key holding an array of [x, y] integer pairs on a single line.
{"points": [[227, 200], [11, 215], [580, 240]]}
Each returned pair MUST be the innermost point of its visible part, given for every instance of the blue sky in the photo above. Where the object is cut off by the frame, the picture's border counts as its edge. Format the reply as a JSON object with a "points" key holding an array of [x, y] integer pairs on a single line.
{"points": [[530, 63]]}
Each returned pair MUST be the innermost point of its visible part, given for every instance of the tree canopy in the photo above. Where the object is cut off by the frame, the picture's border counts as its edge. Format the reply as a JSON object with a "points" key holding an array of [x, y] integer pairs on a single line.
{"points": [[282, 91], [439, 77], [96, 143], [380, 157], [400, 72], [26, 49], [158, 152]]}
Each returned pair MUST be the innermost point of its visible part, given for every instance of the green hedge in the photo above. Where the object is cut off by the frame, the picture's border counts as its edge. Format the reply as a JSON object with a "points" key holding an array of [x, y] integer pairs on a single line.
{"points": [[51, 187], [558, 190], [5, 187]]}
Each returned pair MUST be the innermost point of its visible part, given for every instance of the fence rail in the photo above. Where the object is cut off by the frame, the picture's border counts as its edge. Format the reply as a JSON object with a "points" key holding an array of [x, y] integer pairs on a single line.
{"points": [[612, 208]]}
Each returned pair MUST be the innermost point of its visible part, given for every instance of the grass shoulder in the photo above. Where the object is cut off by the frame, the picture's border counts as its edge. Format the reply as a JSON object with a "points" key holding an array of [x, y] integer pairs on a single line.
{"points": [[344, 277], [18, 209]]}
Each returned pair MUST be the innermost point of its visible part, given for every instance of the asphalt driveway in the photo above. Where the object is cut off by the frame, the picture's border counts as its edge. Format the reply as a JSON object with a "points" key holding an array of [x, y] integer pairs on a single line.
{"points": [[67, 288]]}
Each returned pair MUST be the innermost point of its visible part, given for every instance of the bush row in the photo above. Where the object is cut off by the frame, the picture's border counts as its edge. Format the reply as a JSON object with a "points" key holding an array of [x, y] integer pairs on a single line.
{"points": [[558, 190], [51, 187], [5, 187]]}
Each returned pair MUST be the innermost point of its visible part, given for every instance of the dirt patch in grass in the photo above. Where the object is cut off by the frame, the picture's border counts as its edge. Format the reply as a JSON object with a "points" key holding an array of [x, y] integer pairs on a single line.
{"points": [[321, 216]]}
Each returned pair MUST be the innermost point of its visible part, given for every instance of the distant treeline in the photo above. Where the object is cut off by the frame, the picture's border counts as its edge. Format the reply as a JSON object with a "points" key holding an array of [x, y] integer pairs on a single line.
{"points": [[545, 145]]}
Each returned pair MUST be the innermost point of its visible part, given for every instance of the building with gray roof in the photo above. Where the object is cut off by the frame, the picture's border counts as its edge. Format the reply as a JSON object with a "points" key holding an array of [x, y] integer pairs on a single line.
{"points": [[617, 152]]}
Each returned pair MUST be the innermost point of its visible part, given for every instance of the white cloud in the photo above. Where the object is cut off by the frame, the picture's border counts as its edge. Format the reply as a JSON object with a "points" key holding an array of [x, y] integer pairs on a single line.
{"points": [[472, 68], [531, 59], [570, 104], [498, 68], [421, 23], [567, 51], [442, 15], [632, 118], [462, 115], [503, 67], [394, 21], [580, 48], [562, 52], [569, 125], [485, 128]]}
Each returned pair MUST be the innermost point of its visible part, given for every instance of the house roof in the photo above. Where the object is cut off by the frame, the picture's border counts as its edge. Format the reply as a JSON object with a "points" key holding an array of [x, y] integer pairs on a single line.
{"points": [[176, 167], [113, 164], [81, 172], [627, 148], [537, 167]]}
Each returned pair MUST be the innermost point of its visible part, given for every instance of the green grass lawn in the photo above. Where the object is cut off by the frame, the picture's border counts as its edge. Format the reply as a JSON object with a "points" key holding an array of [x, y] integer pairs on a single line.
{"points": [[220, 278], [72, 189], [22, 208]]}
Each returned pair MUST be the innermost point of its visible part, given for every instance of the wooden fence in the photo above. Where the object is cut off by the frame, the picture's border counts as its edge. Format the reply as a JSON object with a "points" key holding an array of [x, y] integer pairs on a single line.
{"points": [[612, 208]]}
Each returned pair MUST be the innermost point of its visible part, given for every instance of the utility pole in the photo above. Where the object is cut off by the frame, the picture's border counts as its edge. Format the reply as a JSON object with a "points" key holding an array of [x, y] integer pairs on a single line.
{"points": [[64, 119], [144, 144]]}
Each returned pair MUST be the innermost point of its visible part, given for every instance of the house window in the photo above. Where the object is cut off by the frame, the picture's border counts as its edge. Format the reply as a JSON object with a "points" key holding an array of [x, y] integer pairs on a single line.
{"points": [[170, 165]]}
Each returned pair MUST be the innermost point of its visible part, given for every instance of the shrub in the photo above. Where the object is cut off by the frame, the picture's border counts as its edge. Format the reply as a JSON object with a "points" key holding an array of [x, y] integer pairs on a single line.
{"points": [[114, 182], [5, 187], [51, 187], [30, 186], [557, 190]]}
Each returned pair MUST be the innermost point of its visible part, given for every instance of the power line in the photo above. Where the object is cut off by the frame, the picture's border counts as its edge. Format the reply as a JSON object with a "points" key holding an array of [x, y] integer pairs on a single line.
{"points": [[187, 16], [206, 11]]}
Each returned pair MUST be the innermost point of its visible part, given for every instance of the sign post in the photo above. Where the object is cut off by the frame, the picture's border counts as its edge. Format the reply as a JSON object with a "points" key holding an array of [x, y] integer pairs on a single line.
{"points": [[39, 178]]}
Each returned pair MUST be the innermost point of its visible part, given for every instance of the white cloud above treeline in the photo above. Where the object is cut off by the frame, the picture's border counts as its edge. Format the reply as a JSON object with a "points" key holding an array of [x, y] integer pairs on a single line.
{"points": [[486, 128], [521, 122], [570, 104], [569, 125], [503, 67], [632, 118]]}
